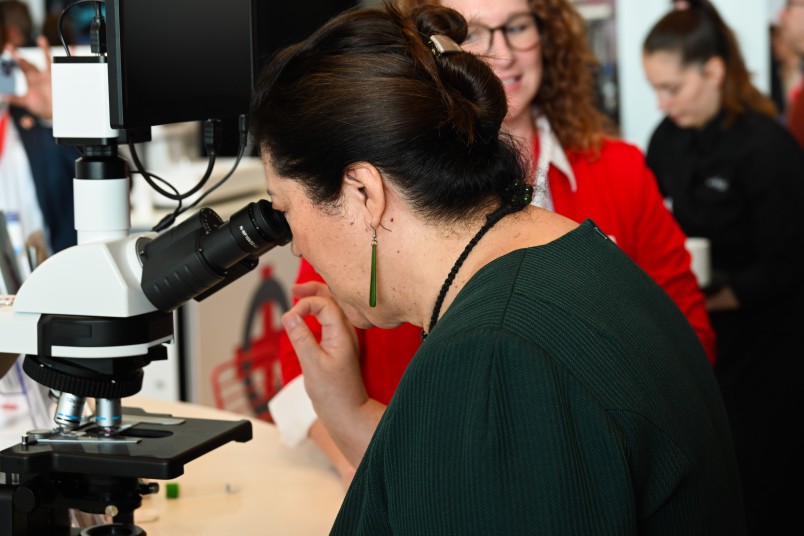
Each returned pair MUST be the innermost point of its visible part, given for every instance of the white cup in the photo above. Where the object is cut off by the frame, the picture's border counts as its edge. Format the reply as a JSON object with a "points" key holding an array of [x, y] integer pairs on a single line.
{"points": [[701, 264]]}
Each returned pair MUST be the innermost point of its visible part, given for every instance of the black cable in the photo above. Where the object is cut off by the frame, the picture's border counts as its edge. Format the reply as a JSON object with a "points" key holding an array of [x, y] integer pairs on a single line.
{"points": [[218, 184], [97, 32], [64, 12], [211, 142], [243, 141], [150, 178], [160, 179], [174, 197], [167, 221]]}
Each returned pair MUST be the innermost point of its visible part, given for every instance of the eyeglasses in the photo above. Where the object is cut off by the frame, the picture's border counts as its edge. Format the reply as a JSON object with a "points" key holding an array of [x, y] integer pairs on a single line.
{"points": [[520, 32]]}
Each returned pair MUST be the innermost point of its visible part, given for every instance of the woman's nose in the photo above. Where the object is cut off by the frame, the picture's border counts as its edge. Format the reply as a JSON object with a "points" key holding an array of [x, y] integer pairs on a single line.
{"points": [[663, 101], [293, 249]]}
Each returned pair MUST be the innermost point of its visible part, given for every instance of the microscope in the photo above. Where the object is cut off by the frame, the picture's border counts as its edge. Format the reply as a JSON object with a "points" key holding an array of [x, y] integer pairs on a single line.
{"points": [[91, 317]]}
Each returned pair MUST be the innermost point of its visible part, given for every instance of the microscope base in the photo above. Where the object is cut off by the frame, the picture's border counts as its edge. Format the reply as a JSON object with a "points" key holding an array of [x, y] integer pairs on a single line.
{"points": [[39, 483]]}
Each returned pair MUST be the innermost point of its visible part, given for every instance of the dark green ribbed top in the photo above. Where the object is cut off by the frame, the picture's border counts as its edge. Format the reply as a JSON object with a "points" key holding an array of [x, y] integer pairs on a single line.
{"points": [[561, 393]]}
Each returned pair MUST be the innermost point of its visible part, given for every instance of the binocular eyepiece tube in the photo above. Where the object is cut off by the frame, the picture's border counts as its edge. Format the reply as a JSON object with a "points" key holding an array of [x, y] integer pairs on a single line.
{"points": [[203, 253]]}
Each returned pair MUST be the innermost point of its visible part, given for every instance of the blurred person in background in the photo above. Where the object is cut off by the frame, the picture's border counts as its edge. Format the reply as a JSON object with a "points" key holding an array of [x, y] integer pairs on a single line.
{"points": [[35, 172], [18, 25], [36, 183], [733, 175], [792, 19], [36, 193], [538, 49], [786, 75]]}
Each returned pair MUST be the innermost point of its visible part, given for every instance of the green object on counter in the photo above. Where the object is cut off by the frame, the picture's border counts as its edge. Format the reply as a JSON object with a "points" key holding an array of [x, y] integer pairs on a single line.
{"points": [[172, 490]]}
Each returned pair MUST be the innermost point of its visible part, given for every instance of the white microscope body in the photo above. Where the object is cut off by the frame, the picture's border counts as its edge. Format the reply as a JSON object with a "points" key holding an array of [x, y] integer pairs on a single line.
{"points": [[92, 316]]}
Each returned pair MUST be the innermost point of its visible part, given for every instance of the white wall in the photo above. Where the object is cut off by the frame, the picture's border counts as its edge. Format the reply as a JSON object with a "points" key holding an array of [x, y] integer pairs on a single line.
{"points": [[639, 115]]}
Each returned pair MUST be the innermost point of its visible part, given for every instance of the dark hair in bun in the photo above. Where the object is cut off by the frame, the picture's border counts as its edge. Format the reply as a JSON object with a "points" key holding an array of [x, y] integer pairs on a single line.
{"points": [[367, 87]]}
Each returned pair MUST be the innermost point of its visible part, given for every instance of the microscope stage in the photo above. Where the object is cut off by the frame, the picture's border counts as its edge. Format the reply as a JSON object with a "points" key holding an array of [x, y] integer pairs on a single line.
{"points": [[165, 445]]}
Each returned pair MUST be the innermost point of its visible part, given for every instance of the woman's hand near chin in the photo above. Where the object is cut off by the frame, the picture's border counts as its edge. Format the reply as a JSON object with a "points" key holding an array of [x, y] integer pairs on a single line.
{"points": [[332, 367], [331, 370]]}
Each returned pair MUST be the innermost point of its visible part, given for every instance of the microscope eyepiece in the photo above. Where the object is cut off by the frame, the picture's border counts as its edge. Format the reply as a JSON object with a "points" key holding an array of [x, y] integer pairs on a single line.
{"points": [[203, 254]]}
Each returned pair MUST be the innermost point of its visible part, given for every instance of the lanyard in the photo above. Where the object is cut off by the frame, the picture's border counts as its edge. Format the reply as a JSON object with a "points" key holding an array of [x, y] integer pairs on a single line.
{"points": [[3, 128]]}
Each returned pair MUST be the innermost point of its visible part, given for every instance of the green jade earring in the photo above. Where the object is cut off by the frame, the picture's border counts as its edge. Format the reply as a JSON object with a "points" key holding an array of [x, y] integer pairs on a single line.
{"points": [[373, 286]]}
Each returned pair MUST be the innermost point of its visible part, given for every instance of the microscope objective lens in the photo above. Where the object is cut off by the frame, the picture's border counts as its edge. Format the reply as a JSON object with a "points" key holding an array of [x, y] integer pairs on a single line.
{"points": [[69, 411], [108, 415]]}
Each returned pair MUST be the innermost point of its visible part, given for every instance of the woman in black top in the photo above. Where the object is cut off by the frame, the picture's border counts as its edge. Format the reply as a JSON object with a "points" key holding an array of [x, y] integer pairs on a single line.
{"points": [[734, 176]]}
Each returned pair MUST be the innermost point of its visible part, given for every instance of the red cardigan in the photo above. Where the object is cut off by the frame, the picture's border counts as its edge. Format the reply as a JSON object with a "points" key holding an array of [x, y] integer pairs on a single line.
{"points": [[617, 191]]}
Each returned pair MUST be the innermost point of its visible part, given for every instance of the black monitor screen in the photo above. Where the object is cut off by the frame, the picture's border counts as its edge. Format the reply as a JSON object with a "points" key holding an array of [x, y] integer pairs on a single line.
{"points": [[179, 60]]}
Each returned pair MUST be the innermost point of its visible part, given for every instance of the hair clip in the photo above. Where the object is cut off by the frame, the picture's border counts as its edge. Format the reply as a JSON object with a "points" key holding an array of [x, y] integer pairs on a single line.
{"points": [[518, 195], [442, 44]]}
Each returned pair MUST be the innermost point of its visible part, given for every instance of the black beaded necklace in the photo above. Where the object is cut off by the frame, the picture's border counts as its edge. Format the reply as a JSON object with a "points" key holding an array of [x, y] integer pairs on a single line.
{"points": [[515, 197], [491, 219]]}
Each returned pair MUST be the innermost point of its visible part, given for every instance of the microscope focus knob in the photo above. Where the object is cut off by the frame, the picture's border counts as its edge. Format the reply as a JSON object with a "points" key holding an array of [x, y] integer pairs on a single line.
{"points": [[26, 499], [148, 488]]}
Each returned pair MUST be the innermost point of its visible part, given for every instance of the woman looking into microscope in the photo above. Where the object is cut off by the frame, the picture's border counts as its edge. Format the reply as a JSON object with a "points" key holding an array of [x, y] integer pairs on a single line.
{"points": [[538, 49], [558, 389]]}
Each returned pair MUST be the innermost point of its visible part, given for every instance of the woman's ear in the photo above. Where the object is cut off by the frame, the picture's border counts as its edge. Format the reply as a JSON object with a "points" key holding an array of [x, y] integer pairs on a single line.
{"points": [[715, 70], [364, 189]]}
